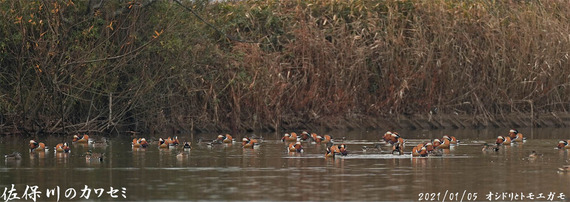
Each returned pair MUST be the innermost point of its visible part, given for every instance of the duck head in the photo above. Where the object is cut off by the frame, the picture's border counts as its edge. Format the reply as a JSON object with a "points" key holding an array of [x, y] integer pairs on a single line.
{"points": [[500, 140], [513, 133], [245, 140], [562, 144], [285, 137], [33, 144]]}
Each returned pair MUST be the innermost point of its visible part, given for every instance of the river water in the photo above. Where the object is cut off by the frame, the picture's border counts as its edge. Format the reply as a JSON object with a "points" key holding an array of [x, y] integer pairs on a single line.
{"points": [[269, 172]]}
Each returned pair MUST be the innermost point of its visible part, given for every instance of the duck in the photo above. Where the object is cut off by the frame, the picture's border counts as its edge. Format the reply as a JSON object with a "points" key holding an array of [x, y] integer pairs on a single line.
{"points": [[398, 147], [316, 138], [564, 168], [62, 148], [13, 156], [452, 139], [327, 139], [100, 144], [223, 139], [90, 156], [173, 141], [516, 136], [342, 149], [289, 137], [443, 144], [329, 153], [564, 144], [81, 138], [186, 146], [297, 147], [208, 143], [162, 143], [332, 150], [305, 136], [391, 137], [436, 142], [533, 155], [35, 146], [387, 137], [140, 143], [487, 147], [376, 146], [429, 147], [285, 137], [503, 140], [136, 143], [181, 156], [420, 150], [249, 143]]}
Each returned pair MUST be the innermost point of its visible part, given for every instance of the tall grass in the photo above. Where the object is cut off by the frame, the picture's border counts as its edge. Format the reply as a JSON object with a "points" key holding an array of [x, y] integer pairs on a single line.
{"points": [[315, 63]]}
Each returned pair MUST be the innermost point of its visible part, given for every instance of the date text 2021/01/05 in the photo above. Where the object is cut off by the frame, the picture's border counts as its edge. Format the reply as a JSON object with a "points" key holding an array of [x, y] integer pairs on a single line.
{"points": [[491, 196]]}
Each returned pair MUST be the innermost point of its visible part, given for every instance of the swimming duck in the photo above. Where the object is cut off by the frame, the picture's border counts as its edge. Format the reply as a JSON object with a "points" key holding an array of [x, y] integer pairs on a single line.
{"points": [[289, 137], [224, 139], [248, 143], [533, 155], [376, 146], [173, 141], [62, 148], [305, 136], [387, 137], [516, 136], [297, 147], [565, 168], [316, 138], [342, 149], [429, 147], [503, 140], [443, 144], [136, 143], [398, 147], [187, 146], [487, 147], [162, 143], [452, 139], [13, 156], [285, 137], [182, 155], [89, 156], [140, 143], [327, 139], [436, 143], [81, 138], [420, 150], [564, 144], [329, 153], [100, 144], [391, 137], [35, 146]]}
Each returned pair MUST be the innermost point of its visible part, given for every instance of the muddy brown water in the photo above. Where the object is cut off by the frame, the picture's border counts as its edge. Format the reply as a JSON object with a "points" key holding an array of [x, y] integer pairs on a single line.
{"points": [[269, 172]]}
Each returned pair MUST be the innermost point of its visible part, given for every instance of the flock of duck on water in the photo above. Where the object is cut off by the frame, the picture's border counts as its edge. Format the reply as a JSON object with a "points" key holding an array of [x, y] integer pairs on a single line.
{"points": [[392, 139], [61, 149]]}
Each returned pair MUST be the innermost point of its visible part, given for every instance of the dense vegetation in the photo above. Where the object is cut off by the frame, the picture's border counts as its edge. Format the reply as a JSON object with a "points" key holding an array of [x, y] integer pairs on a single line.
{"points": [[152, 66]]}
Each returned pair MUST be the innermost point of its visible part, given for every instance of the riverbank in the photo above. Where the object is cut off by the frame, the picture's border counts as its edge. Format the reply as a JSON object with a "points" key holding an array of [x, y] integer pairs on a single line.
{"points": [[159, 67], [403, 122]]}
